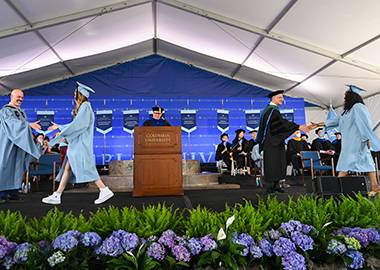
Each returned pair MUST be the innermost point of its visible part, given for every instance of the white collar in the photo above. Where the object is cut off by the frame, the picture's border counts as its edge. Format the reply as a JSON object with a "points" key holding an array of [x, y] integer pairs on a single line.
{"points": [[271, 103]]}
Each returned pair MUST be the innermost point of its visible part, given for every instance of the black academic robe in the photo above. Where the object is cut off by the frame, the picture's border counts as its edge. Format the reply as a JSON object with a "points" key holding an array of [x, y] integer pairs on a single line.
{"points": [[251, 144], [321, 144], [337, 146], [223, 153], [156, 122], [294, 148], [240, 150], [273, 131]]}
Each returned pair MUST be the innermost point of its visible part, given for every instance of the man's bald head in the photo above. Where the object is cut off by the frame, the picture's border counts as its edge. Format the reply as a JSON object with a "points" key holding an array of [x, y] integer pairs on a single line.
{"points": [[17, 97]]}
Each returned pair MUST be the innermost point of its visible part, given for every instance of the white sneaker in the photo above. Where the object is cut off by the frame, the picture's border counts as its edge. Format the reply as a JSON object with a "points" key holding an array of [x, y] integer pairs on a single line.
{"points": [[52, 199], [104, 195]]}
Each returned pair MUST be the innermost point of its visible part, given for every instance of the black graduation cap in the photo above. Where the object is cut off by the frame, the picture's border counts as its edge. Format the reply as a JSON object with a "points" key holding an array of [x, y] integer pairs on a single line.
{"points": [[239, 130], [224, 134], [317, 130], [253, 130], [158, 108], [275, 93], [304, 134], [336, 133]]}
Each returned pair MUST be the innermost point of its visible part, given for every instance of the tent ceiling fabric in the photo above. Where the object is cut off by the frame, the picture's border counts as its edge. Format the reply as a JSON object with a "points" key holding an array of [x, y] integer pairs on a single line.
{"points": [[274, 44]]}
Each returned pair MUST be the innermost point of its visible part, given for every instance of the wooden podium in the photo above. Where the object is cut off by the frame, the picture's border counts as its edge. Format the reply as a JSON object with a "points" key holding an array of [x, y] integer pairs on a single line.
{"points": [[157, 164]]}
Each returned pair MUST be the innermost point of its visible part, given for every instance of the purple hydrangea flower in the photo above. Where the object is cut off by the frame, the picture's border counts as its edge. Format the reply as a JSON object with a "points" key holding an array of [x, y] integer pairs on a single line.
{"points": [[167, 238], [336, 247], [181, 253], [255, 252], [306, 229], [111, 246], [304, 242], [283, 246], [43, 244], [195, 246], [129, 241], [208, 243], [357, 259], [291, 226], [243, 239], [66, 241], [373, 235], [266, 247], [156, 251], [180, 240], [8, 262], [90, 239], [21, 253], [6, 247], [293, 261], [359, 235]]}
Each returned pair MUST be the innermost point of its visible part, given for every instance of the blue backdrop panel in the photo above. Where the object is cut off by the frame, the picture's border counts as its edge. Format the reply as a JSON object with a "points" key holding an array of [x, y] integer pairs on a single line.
{"points": [[119, 144]]}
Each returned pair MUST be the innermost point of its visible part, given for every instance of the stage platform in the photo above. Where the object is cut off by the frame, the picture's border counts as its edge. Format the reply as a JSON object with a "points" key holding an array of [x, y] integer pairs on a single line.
{"points": [[82, 202]]}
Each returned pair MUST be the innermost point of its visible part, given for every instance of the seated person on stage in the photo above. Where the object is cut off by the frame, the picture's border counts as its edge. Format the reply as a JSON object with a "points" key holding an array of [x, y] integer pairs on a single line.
{"points": [[337, 143], [322, 145], [240, 151], [293, 152], [251, 144], [157, 119], [305, 137], [45, 147], [223, 151]]}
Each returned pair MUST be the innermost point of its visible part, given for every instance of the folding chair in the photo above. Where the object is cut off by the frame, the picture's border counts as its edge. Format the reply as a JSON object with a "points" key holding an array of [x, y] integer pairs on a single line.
{"points": [[46, 165], [312, 161]]}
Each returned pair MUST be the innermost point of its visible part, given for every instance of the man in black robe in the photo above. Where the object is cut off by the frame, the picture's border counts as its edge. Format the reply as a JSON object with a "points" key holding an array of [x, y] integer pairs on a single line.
{"points": [[273, 130], [157, 119], [223, 151]]}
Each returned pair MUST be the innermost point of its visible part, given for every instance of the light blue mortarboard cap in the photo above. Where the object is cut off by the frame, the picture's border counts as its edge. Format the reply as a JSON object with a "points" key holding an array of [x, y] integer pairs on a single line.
{"points": [[84, 89], [355, 89]]}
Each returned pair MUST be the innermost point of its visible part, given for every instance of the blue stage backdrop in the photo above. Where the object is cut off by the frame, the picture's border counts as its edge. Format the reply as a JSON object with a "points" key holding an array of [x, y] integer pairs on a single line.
{"points": [[132, 88], [203, 140]]}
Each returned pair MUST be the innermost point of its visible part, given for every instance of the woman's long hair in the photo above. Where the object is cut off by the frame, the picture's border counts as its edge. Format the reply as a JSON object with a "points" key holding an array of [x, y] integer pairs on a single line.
{"points": [[79, 100], [350, 99]]}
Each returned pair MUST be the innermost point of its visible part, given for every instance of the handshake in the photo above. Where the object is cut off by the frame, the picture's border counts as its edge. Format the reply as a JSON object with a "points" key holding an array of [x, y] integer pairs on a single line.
{"points": [[311, 126], [36, 126]]}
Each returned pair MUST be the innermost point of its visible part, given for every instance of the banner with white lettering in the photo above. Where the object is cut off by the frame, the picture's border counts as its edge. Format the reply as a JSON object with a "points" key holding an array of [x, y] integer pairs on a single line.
{"points": [[188, 120], [223, 120], [252, 118], [130, 120], [288, 114], [46, 119], [104, 121]]}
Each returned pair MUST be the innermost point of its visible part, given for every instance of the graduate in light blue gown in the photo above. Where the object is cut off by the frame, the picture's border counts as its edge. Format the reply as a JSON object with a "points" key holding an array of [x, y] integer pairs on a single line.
{"points": [[79, 164], [358, 138], [17, 147]]}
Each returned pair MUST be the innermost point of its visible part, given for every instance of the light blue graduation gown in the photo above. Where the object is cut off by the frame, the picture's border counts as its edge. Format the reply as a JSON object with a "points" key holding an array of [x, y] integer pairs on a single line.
{"points": [[17, 147], [79, 135], [356, 129]]}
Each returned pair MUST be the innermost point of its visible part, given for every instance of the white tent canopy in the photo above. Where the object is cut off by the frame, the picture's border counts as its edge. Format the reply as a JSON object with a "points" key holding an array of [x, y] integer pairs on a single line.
{"points": [[311, 48]]}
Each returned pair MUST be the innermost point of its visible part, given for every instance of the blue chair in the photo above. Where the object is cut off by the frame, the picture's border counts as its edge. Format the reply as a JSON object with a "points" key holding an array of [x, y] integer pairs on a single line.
{"points": [[312, 161], [48, 164]]}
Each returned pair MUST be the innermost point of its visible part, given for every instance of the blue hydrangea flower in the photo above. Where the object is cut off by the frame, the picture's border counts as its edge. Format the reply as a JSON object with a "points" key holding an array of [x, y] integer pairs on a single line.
{"points": [[90, 239], [156, 251], [181, 253], [304, 242], [66, 241], [306, 229], [360, 235], [283, 246], [291, 226], [8, 262], [243, 239], [255, 252], [111, 246], [336, 247], [274, 234], [195, 246], [266, 247], [167, 238], [21, 253], [357, 259], [208, 243], [43, 244], [293, 261]]}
